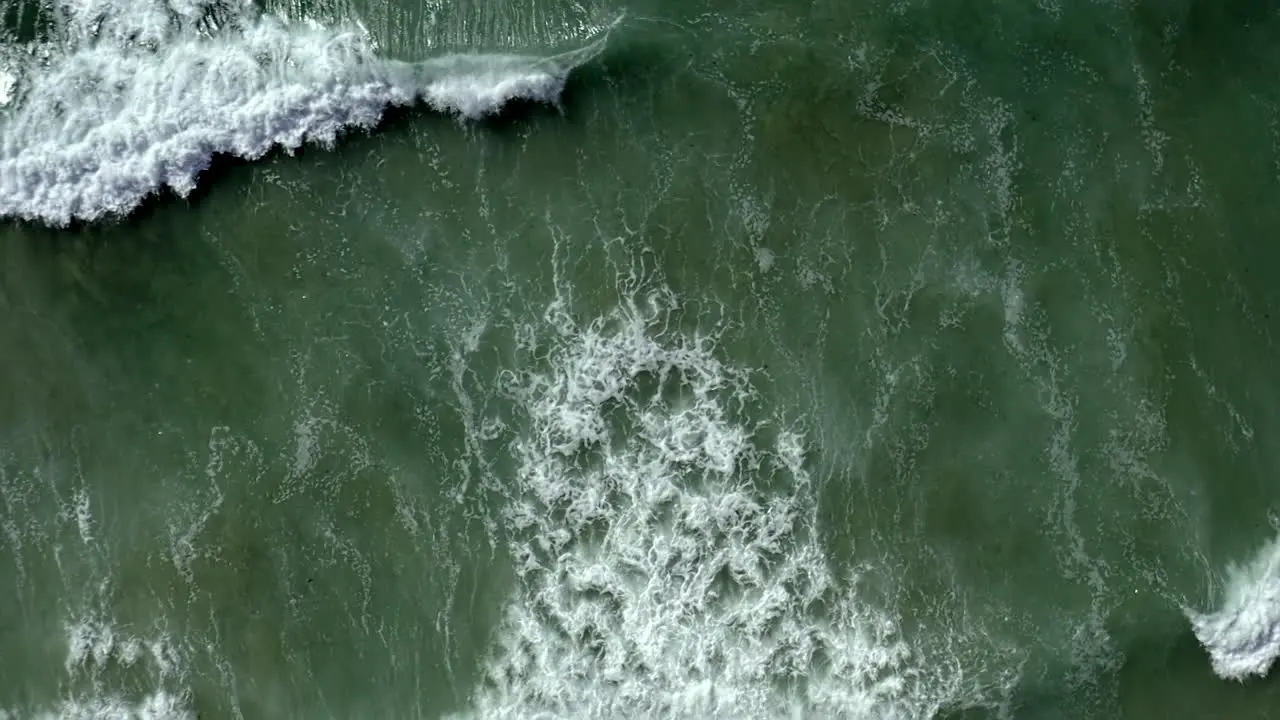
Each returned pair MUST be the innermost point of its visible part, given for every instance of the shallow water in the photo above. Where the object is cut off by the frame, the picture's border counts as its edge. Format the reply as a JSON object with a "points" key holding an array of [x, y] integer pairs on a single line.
{"points": [[871, 360]]}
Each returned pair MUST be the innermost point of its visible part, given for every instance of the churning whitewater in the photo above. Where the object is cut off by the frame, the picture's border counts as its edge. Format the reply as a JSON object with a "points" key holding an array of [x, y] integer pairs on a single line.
{"points": [[667, 550], [1243, 635], [139, 99]]}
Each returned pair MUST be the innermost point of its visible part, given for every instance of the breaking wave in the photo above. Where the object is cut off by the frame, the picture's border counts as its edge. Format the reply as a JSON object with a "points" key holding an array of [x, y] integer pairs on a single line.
{"points": [[139, 99], [1243, 635]]}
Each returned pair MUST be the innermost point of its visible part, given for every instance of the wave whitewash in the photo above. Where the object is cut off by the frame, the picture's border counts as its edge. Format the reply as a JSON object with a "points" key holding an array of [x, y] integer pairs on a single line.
{"points": [[141, 102]]}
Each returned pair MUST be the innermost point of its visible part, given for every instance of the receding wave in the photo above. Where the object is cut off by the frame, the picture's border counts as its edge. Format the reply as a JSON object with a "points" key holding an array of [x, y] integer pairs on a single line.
{"points": [[140, 102]]}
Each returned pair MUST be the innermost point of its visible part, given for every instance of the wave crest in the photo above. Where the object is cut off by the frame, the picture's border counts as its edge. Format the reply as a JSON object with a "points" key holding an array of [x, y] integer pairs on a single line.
{"points": [[1243, 635], [137, 107]]}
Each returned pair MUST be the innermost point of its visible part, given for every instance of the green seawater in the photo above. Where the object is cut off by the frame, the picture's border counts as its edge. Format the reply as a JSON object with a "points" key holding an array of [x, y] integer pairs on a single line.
{"points": [[863, 359]]}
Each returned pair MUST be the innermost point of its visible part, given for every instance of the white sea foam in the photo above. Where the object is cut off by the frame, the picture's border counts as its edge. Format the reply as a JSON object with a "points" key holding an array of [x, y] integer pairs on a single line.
{"points": [[96, 648], [141, 101], [8, 86], [665, 551], [1243, 635]]}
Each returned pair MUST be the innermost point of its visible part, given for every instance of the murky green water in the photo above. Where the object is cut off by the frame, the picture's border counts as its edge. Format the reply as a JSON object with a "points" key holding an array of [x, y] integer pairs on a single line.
{"points": [[871, 360]]}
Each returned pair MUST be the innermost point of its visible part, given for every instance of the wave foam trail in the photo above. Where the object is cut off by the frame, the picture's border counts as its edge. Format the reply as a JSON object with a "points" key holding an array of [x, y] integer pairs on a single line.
{"points": [[140, 99], [667, 561], [1243, 636]]}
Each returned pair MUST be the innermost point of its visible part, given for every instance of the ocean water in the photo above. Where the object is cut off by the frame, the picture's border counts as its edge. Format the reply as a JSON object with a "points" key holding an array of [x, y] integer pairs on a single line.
{"points": [[535, 359]]}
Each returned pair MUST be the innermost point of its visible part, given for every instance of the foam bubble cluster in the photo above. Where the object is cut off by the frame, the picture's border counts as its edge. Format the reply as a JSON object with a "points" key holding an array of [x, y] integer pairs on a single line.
{"points": [[1243, 636], [140, 101], [667, 561]]}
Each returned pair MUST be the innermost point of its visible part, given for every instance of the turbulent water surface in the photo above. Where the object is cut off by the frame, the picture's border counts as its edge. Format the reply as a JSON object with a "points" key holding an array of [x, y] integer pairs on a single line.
{"points": [[641, 359]]}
